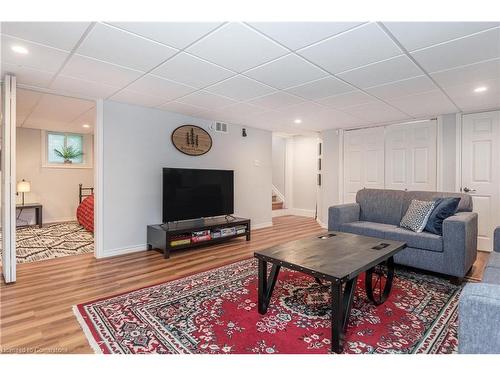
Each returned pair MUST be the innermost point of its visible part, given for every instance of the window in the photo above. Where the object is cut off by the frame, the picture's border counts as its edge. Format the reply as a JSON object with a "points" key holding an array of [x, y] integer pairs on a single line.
{"points": [[57, 141], [53, 140]]}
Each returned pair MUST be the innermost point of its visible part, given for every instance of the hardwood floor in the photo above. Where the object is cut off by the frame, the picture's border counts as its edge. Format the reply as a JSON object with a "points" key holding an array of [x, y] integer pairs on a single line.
{"points": [[36, 315]]}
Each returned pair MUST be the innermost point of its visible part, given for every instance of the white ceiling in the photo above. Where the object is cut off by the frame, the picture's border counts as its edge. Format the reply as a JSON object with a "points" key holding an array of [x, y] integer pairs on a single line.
{"points": [[36, 110], [266, 75]]}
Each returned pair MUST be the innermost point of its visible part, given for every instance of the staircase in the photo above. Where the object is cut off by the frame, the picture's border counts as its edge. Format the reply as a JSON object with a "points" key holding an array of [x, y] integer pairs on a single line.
{"points": [[277, 203]]}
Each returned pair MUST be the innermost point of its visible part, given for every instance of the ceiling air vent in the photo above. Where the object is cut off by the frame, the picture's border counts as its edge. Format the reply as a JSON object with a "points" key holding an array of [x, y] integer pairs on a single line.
{"points": [[220, 127]]}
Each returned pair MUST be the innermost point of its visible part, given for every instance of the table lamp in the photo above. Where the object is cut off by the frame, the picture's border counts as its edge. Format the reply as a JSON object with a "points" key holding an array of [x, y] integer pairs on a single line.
{"points": [[23, 187]]}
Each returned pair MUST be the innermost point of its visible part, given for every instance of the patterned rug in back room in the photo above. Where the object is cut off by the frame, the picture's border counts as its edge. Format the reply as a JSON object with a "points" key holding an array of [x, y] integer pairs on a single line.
{"points": [[52, 241], [216, 312]]}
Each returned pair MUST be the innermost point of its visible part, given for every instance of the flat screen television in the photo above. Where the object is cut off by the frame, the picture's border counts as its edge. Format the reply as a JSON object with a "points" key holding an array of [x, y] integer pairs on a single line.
{"points": [[196, 193]]}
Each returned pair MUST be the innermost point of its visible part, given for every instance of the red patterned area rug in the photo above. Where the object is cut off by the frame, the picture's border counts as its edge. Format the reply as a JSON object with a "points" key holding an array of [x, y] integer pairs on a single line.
{"points": [[216, 312]]}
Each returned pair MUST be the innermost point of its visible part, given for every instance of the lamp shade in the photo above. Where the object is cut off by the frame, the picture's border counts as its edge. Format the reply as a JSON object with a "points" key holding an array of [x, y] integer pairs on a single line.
{"points": [[23, 187]]}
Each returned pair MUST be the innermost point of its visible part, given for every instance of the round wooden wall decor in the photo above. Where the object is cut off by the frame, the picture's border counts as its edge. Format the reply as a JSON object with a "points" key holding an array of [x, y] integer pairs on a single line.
{"points": [[191, 140]]}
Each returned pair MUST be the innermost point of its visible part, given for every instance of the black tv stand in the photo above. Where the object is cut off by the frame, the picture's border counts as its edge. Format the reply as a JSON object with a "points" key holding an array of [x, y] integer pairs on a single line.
{"points": [[161, 236]]}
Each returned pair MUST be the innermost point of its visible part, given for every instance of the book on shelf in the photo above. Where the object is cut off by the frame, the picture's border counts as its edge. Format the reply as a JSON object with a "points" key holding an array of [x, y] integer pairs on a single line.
{"points": [[201, 238]]}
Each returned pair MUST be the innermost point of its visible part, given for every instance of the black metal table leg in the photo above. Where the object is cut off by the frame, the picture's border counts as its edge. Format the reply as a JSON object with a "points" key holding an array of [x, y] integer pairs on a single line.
{"points": [[266, 285], [378, 281], [337, 318], [349, 289]]}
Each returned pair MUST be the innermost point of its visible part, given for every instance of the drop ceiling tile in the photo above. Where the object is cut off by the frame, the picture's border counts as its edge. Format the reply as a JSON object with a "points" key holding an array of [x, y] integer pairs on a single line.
{"points": [[276, 100], [136, 98], [192, 71], [468, 50], [122, 48], [429, 103], [401, 88], [361, 46], [416, 35], [39, 57], [27, 76], [85, 118], [302, 109], [346, 100], [473, 74], [206, 100], [320, 88], [376, 112], [160, 87], [57, 109], [394, 69], [242, 109], [336, 119], [80, 87], [295, 35], [240, 88], [183, 108], [62, 35], [26, 100], [86, 68], [468, 100], [175, 34], [285, 72], [237, 47]]}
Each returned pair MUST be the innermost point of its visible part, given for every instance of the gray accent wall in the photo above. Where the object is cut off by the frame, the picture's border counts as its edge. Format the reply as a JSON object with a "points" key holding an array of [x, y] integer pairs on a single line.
{"points": [[136, 146]]}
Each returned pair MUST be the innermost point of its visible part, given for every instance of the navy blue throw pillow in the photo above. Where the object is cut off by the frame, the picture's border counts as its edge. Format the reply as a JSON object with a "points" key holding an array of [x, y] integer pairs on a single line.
{"points": [[444, 208]]}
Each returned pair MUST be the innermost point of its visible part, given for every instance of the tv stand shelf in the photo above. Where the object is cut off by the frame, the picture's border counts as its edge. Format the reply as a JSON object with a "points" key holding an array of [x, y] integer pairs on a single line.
{"points": [[159, 236]]}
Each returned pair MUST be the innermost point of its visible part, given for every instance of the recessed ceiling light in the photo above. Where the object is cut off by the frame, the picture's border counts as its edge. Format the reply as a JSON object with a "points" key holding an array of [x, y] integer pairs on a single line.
{"points": [[86, 125], [297, 121], [19, 49], [480, 89]]}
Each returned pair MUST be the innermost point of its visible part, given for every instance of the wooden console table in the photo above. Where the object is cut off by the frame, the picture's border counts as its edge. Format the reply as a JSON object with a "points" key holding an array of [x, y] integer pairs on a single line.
{"points": [[38, 211]]}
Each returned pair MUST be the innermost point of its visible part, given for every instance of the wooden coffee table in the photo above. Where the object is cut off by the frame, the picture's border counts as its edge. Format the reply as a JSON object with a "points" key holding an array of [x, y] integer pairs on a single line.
{"points": [[336, 257]]}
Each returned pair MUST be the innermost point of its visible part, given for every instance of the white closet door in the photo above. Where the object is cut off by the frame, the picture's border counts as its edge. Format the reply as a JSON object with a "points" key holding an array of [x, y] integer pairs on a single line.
{"points": [[481, 171], [410, 156], [363, 161]]}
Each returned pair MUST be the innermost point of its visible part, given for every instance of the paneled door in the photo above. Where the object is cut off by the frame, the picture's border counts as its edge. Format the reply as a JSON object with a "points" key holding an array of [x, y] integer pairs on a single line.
{"points": [[410, 156], [481, 171], [363, 161]]}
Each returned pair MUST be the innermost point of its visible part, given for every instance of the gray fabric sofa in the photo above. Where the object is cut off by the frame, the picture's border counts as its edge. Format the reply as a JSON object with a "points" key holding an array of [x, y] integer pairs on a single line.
{"points": [[479, 309], [378, 212]]}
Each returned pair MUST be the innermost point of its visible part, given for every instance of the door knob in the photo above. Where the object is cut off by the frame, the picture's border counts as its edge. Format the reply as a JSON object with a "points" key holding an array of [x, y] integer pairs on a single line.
{"points": [[467, 190]]}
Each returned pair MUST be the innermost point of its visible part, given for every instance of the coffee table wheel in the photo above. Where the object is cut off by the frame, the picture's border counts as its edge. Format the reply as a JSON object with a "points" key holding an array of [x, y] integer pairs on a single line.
{"points": [[378, 281]]}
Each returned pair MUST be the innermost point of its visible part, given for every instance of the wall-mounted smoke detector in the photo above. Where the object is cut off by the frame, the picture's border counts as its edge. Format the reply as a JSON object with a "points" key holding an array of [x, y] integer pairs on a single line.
{"points": [[220, 127]]}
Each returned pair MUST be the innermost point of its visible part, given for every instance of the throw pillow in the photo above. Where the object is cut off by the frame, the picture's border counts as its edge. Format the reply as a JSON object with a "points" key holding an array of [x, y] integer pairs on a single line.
{"points": [[417, 215], [443, 209]]}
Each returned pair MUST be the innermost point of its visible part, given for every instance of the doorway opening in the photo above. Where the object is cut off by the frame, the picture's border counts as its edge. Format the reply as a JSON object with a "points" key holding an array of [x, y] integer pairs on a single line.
{"points": [[54, 176]]}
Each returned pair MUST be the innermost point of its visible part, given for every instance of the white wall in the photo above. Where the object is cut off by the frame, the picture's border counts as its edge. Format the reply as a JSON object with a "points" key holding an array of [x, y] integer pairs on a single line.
{"points": [[136, 146], [305, 169], [329, 192], [448, 154], [55, 188], [279, 152]]}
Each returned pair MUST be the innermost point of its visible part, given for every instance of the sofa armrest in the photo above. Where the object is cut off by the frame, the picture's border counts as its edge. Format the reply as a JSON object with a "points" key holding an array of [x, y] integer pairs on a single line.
{"points": [[460, 239], [479, 319], [342, 214], [496, 240]]}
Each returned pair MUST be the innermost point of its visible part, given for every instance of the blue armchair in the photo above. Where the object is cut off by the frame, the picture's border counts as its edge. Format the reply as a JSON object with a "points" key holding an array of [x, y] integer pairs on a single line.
{"points": [[479, 309]]}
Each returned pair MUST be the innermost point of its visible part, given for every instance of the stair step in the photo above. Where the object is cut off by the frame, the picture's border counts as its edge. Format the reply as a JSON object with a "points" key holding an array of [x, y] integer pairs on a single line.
{"points": [[277, 205]]}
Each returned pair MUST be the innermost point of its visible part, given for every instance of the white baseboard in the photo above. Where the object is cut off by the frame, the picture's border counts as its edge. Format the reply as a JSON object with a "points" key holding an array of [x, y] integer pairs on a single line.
{"points": [[262, 225], [124, 250], [301, 212], [282, 212], [322, 225]]}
